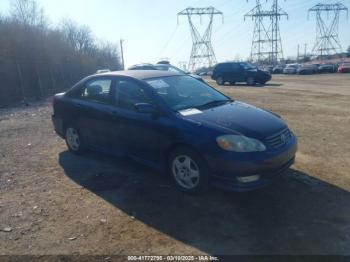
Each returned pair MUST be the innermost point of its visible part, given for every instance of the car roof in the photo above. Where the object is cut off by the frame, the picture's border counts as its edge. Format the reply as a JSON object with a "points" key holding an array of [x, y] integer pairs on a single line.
{"points": [[141, 74], [223, 63]]}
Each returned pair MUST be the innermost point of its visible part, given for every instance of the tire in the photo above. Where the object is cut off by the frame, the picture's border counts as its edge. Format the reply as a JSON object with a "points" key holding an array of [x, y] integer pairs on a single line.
{"points": [[73, 140], [188, 171], [250, 81], [220, 81]]}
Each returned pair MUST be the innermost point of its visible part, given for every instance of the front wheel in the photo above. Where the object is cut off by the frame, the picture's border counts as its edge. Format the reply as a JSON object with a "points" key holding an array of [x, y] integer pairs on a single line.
{"points": [[250, 81], [73, 140], [188, 171], [220, 81]]}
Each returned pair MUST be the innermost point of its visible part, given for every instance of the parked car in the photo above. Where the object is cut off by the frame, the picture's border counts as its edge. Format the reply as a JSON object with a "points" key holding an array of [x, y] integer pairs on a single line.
{"points": [[100, 71], [143, 66], [291, 69], [305, 70], [315, 68], [173, 122], [164, 66], [344, 68], [267, 69], [233, 72], [278, 69], [327, 68]]}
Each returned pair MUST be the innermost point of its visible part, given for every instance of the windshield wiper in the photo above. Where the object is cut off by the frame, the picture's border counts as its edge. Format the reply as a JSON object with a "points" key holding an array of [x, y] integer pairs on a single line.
{"points": [[214, 103]]}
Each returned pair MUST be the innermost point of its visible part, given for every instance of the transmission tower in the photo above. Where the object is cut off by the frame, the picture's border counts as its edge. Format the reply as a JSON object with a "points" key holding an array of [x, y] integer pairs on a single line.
{"points": [[202, 54], [266, 44], [261, 47], [327, 38], [276, 14]]}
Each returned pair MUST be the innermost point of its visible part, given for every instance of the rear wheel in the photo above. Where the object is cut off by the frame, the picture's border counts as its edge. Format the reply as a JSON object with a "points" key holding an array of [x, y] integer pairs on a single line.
{"points": [[73, 140], [250, 81], [220, 81], [188, 171]]}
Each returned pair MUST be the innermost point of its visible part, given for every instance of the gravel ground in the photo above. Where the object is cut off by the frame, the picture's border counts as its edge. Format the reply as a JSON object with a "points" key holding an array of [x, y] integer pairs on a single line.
{"points": [[53, 202]]}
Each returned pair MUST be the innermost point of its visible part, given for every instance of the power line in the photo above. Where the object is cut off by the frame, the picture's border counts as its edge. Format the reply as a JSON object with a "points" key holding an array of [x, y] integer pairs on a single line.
{"points": [[167, 42]]}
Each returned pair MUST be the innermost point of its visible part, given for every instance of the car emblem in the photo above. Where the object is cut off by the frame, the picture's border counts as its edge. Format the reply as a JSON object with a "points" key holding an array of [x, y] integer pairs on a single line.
{"points": [[283, 138]]}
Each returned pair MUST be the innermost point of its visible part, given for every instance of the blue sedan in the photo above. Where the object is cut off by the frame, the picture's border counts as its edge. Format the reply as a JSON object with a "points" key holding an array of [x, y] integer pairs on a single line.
{"points": [[177, 124]]}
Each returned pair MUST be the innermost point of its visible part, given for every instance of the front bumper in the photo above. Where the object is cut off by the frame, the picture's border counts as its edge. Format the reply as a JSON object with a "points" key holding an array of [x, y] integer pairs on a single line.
{"points": [[58, 125], [263, 181], [228, 170]]}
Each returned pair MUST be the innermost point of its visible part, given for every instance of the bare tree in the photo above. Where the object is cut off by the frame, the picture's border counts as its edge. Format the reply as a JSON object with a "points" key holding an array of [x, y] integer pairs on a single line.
{"points": [[37, 59], [79, 37], [27, 12]]}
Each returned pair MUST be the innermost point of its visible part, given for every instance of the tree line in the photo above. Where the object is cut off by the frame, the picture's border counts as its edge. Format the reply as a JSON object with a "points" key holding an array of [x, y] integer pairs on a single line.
{"points": [[38, 59]]}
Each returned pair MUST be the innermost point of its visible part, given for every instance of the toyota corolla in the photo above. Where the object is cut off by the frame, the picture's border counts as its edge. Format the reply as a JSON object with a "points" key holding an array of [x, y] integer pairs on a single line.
{"points": [[177, 124]]}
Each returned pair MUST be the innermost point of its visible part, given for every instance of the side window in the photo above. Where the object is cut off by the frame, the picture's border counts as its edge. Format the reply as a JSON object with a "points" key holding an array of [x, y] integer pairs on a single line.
{"points": [[128, 93], [226, 67], [97, 90], [235, 67]]}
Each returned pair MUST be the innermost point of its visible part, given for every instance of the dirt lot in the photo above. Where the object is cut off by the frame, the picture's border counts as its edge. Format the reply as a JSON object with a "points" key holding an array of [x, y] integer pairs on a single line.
{"points": [[52, 202]]}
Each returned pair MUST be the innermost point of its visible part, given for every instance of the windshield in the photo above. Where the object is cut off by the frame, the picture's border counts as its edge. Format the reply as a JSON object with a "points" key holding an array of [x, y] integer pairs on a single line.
{"points": [[183, 92], [248, 66]]}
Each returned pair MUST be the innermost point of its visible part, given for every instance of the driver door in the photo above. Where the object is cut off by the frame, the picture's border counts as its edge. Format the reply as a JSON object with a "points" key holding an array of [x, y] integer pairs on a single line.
{"points": [[138, 133]]}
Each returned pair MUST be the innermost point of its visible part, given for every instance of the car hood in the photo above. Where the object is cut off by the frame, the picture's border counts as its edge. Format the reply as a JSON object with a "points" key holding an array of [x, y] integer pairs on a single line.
{"points": [[238, 117]]}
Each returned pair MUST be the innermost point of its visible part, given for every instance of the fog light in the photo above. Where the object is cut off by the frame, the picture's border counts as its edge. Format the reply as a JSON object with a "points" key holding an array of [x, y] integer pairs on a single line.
{"points": [[248, 179]]}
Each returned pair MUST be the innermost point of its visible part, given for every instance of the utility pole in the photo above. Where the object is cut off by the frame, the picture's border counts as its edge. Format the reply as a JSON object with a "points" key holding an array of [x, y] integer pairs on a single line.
{"points": [[327, 36], [202, 54], [305, 48], [298, 53], [122, 53]]}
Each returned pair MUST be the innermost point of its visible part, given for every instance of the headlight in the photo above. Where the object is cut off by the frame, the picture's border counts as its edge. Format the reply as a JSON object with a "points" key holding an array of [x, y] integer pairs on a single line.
{"points": [[238, 143]]}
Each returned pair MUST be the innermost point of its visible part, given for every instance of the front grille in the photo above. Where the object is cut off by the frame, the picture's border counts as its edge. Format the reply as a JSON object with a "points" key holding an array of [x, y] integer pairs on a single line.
{"points": [[279, 139]]}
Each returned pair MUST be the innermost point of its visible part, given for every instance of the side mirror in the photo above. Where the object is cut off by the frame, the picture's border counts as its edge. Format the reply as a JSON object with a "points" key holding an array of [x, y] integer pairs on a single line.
{"points": [[145, 108]]}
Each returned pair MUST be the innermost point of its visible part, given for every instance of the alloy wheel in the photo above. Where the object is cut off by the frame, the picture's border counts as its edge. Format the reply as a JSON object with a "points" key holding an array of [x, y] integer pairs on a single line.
{"points": [[185, 171], [72, 138]]}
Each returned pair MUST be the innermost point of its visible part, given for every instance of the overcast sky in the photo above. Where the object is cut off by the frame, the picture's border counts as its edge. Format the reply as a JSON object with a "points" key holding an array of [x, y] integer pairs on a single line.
{"points": [[151, 32]]}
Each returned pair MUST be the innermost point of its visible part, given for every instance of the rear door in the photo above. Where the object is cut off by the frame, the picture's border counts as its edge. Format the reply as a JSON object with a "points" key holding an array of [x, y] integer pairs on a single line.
{"points": [[94, 104], [238, 74]]}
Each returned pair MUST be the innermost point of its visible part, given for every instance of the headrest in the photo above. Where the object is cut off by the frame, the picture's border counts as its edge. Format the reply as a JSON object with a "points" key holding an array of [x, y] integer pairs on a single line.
{"points": [[94, 90]]}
